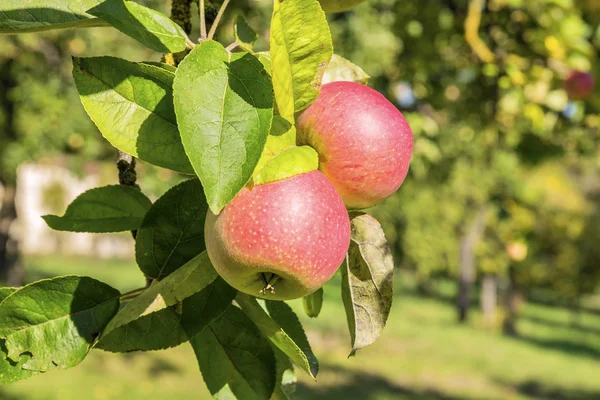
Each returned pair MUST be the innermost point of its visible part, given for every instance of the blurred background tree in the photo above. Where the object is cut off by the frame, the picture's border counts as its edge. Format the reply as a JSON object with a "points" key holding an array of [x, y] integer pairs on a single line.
{"points": [[41, 116], [495, 133]]}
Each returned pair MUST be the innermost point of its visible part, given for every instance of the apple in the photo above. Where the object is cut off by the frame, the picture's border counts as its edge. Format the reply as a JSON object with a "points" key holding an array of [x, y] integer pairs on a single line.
{"points": [[364, 142], [334, 6], [280, 240], [579, 85]]}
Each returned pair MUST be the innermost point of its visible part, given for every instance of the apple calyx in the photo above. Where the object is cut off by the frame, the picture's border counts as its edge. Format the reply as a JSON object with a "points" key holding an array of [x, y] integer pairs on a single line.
{"points": [[269, 283]]}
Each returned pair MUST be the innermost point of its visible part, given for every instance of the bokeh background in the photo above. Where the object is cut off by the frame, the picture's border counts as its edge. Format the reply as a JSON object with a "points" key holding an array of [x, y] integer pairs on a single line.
{"points": [[495, 233]]}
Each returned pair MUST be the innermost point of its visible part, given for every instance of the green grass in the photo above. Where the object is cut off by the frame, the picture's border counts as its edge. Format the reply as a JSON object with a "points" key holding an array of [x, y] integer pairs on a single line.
{"points": [[423, 354]]}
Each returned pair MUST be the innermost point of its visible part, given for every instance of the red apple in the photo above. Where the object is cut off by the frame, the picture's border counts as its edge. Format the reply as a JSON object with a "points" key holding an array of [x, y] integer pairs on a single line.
{"points": [[333, 6], [291, 235], [579, 85], [364, 142]]}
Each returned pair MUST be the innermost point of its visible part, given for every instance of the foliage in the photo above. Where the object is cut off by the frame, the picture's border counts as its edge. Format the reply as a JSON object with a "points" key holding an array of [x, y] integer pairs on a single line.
{"points": [[227, 117]]}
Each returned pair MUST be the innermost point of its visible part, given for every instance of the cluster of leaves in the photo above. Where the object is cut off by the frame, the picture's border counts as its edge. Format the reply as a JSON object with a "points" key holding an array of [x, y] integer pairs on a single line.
{"points": [[228, 118]]}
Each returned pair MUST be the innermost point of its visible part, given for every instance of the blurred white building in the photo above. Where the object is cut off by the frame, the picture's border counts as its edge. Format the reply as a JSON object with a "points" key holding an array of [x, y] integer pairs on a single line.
{"points": [[48, 189]]}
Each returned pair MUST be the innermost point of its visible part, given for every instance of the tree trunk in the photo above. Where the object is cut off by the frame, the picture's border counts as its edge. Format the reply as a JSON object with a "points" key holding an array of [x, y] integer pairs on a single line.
{"points": [[489, 300], [11, 269], [576, 313], [512, 299], [468, 244]]}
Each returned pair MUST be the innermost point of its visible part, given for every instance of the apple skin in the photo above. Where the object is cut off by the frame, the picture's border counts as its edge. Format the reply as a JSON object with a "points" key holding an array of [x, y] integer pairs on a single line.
{"points": [[364, 142], [335, 6], [579, 85], [296, 228]]}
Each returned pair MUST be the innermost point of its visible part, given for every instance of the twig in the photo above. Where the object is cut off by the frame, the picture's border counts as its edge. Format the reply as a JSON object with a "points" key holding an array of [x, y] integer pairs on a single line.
{"points": [[189, 44], [127, 174], [232, 46], [215, 24], [202, 21]]}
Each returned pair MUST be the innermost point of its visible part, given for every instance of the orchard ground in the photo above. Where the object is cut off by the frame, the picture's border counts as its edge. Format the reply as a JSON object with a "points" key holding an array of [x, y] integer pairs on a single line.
{"points": [[422, 354]]}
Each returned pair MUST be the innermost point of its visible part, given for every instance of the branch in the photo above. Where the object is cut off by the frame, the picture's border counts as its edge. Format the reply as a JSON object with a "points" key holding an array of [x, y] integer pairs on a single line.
{"points": [[181, 13], [215, 24], [472, 23], [127, 174]]}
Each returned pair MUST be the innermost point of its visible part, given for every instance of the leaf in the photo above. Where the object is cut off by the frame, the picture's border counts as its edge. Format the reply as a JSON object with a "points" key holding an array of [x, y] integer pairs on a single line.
{"points": [[244, 34], [161, 65], [224, 106], [54, 321], [340, 69], [265, 59], [132, 106], [277, 141], [301, 47], [11, 371], [235, 359], [172, 232], [191, 278], [173, 325], [286, 378], [367, 281], [114, 208], [5, 292], [313, 303], [289, 337], [151, 28], [285, 317], [293, 161], [18, 16]]}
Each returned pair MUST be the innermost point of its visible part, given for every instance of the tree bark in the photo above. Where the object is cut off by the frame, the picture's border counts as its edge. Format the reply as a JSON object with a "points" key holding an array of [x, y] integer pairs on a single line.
{"points": [[468, 244], [11, 268], [512, 299], [489, 299]]}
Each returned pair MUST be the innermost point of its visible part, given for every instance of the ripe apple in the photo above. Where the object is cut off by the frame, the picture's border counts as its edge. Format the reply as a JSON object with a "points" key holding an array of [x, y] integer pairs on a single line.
{"points": [[334, 6], [579, 85], [364, 142], [280, 240]]}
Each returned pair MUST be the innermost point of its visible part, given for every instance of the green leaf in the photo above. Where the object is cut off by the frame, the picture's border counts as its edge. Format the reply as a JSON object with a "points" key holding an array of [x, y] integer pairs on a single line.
{"points": [[367, 281], [173, 325], [5, 292], [54, 321], [18, 16], [265, 59], [301, 47], [289, 337], [132, 106], [285, 317], [224, 105], [286, 378], [172, 232], [340, 69], [114, 208], [244, 34], [313, 303], [11, 371], [293, 161], [161, 65], [235, 359], [151, 28], [191, 278]]}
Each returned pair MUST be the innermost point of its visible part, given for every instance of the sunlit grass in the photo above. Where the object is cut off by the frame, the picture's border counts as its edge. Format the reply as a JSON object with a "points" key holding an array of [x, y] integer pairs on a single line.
{"points": [[423, 354]]}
